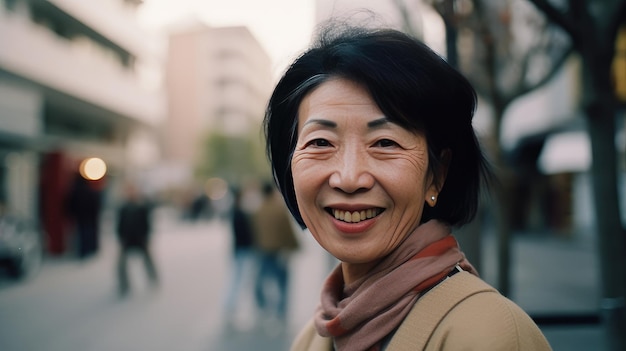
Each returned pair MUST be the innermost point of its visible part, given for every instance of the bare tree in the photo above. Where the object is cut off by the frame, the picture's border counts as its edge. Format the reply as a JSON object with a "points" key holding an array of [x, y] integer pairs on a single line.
{"points": [[506, 50], [504, 70], [592, 27]]}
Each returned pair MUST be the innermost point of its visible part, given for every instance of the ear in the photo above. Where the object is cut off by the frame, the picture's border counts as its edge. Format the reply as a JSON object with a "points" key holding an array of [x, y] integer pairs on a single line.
{"points": [[439, 178]]}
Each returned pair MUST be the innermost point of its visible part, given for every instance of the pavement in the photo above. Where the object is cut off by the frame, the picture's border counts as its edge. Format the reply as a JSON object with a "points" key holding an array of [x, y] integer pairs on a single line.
{"points": [[555, 279], [72, 305]]}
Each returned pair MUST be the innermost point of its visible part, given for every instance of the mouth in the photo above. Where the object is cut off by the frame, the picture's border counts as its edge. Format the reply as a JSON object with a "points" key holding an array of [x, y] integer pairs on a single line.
{"points": [[354, 216]]}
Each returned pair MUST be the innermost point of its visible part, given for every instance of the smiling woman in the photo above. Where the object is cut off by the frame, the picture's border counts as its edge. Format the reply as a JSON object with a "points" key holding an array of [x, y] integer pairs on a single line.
{"points": [[370, 137], [349, 160]]}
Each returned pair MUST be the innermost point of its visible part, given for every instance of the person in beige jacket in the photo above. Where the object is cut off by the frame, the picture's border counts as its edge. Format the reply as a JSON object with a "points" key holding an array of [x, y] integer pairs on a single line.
{"points": [[370, 137], [275, 241]]}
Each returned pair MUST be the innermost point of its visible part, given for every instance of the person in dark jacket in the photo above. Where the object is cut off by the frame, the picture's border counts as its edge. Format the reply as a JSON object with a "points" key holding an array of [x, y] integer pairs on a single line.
{"points": [[243, 256], [133, 231], [84, 205]]}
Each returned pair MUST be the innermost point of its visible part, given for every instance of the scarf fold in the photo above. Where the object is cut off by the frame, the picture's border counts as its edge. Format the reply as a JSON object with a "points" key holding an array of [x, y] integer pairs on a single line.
{"points": [[360, 315]]}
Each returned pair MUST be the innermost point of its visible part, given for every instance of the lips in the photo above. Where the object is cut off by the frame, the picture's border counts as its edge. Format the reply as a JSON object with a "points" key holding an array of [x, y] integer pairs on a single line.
{"points": [[355, 216]]}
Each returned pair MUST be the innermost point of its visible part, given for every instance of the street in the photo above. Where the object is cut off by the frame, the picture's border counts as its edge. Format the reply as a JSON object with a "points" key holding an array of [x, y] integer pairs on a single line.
{"points": [[73, 306]]}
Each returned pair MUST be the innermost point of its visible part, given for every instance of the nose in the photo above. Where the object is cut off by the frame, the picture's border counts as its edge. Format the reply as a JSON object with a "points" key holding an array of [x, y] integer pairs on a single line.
{"points": [[352, 172]]}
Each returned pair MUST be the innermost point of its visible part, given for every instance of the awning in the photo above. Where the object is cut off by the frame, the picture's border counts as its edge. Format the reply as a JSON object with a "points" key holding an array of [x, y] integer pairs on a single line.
{"points": [[565, 152]]}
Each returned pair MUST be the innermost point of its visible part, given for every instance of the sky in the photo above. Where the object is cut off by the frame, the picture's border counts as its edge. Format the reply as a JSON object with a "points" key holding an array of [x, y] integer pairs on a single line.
{"points": [[282, 27]]}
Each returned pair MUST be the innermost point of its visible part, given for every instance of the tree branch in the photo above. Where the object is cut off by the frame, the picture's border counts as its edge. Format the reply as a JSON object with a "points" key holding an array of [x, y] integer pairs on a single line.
{"points": [[558, 64], [557, 17]]}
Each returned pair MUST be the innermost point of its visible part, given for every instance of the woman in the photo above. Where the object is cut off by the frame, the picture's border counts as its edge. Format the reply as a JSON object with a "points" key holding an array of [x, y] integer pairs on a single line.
{"points": [[370, 138]]}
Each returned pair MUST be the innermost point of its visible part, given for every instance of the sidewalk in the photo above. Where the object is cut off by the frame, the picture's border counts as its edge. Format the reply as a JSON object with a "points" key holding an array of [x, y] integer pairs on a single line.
{"points": [[554, 278], [71, 306], [551, 276]]}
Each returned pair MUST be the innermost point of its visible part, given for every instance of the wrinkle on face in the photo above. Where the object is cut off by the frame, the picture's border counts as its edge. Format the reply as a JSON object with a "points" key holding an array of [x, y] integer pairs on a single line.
{"points": [[349, 153]]}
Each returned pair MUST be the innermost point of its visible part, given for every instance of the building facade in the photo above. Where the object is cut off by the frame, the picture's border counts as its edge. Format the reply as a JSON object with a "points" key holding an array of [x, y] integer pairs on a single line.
{"points": [[217, 80], [73, 84]]}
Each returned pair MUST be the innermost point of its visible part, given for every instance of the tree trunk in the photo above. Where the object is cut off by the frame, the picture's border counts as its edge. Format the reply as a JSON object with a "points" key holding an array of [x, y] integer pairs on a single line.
{"points": [[503, 198], [610, 233], [451, 45], [601, 118], [503, 226]]}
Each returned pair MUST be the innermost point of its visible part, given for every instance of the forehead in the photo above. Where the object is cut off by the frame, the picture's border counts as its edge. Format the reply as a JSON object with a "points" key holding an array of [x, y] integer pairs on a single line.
{"points": [[337, 94], [338, 89]]}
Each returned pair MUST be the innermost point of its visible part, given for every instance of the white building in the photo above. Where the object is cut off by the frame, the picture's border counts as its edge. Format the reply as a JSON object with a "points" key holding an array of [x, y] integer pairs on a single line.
{"points": [[76, 81]]}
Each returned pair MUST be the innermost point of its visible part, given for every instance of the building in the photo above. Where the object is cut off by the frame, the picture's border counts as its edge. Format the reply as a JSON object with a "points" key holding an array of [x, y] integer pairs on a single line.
{"points": [[218, 80], [76, 81]]}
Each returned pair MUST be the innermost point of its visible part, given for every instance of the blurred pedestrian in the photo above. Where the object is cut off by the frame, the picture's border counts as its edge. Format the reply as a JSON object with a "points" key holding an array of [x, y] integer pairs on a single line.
{"points": [[275, 241], [84, 203], [133, 231], [242, 257], [199, 207]]}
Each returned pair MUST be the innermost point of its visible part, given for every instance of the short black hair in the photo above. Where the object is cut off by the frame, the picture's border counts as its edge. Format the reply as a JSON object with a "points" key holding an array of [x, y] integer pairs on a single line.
{"points": [[412, 85]]}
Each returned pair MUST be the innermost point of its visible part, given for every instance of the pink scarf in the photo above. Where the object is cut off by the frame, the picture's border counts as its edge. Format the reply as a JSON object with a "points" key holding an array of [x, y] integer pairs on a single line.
{"points": [[360, 315]]}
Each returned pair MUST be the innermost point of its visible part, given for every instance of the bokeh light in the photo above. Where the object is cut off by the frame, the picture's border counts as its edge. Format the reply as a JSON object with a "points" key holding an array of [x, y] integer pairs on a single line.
{"points": [[216, 188], [93, 168]]}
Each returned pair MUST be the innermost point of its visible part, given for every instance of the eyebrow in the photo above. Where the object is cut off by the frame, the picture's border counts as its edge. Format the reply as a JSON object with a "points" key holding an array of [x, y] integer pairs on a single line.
{"points": [[371, 124], [323, 122], [378, 122]]}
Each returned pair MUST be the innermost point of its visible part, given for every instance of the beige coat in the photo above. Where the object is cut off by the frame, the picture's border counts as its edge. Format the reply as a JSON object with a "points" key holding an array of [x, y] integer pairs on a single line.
{"points": [[273, 226], [461, 313]]}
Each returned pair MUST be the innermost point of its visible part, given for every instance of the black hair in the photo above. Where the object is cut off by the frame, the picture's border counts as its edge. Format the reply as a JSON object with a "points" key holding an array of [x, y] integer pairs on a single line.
{"points": [[412, 85]]}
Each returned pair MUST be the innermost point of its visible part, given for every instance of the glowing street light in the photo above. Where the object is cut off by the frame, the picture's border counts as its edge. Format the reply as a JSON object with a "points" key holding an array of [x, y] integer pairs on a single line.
{"points": [[93, 168]]}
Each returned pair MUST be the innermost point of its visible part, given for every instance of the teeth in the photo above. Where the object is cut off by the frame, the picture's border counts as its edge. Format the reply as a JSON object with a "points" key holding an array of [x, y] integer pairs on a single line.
{"points": [[356, 216]]}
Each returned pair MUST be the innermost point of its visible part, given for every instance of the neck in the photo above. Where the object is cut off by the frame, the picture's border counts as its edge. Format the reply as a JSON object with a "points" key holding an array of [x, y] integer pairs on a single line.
{"points": [[355, 271]]}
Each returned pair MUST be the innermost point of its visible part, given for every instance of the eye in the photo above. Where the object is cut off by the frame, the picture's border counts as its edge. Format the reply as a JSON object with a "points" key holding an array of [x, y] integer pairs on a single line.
{"points": [[386, 143], [318, 143]]}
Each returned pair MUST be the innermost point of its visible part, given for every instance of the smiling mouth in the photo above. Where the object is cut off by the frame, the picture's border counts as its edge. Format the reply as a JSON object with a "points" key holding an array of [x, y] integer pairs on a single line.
{"points": [[354, 216]]}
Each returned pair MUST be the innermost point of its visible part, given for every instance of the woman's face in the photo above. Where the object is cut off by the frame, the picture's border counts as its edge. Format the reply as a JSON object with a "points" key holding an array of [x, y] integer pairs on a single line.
{"points": [[360, 180]]}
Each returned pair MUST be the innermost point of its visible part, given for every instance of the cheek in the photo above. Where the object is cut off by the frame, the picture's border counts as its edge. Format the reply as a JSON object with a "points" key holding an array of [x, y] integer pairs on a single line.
{"points": [[406, 184], [405, 177], [297, 175], [308, 173], [303, 185]]}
